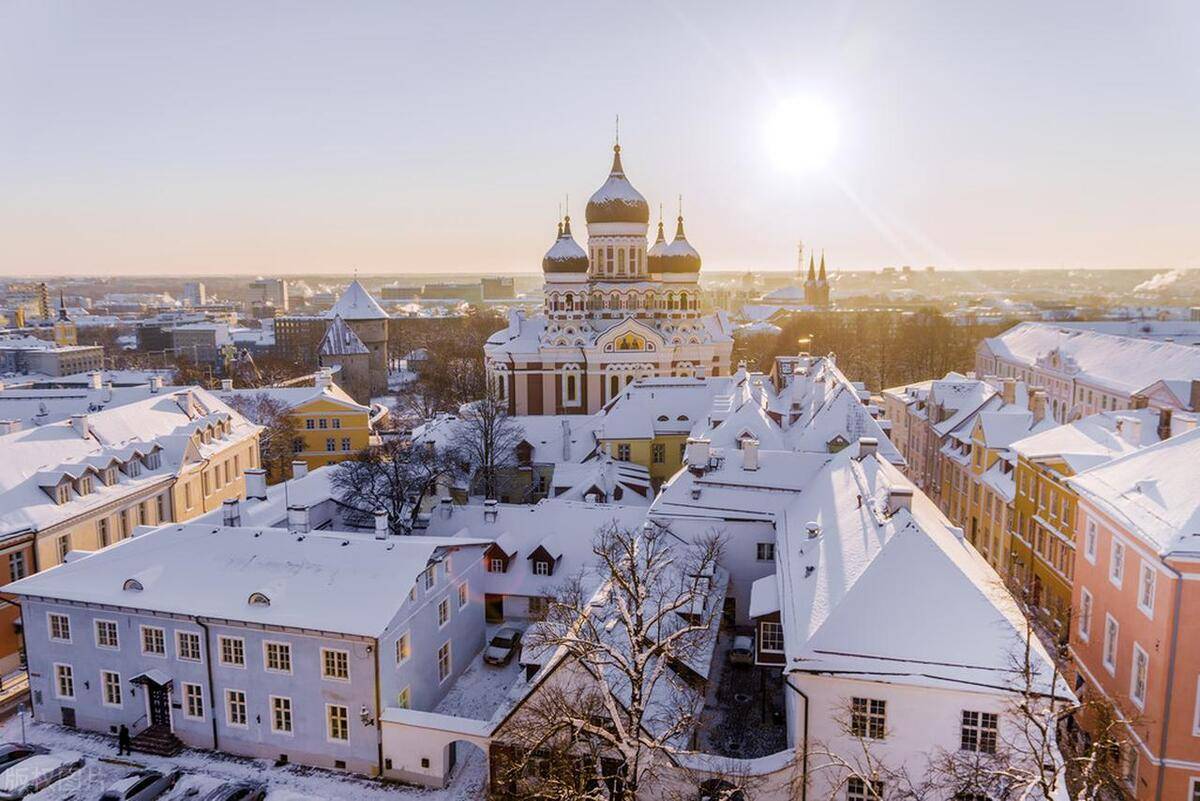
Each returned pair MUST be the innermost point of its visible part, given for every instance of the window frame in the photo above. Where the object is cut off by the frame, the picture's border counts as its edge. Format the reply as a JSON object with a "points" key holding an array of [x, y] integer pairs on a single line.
{"points": [[179, 635], [1116, 567], [116, 630], [443, 613], [329, 735], [1138, 650], [404, 639], [464, 595], [326, 653], [1112, 641], [143, 628], [50, 618], [104, 688], [1091, 541], [187, 697], [229, 705], [775, 627], [273, 708], [241, 641], [442, 679], [977, 731], [287, 648], [58, 680], [870, 721], [761, 548], [1147, 569], [1087, 605]]}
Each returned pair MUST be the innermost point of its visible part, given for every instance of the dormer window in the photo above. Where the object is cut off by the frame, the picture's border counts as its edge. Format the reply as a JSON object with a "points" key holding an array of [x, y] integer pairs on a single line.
{"points": [[132, 585], [153, 460], [85, 485], [541, 568], [258, 599], [110, 476], [133, 468], [62, 493]]}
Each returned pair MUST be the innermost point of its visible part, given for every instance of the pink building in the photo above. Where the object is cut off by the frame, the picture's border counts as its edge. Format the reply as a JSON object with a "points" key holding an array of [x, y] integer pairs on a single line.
{"points": [[1137, 603]]}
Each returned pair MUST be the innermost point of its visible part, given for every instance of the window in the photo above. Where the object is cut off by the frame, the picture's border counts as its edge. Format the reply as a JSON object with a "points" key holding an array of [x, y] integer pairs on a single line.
{"points": [[443, 662], [623, 451], [335, 664], [235, 708], [154, 641], [1085, 614], [60, 628], [857, 790], [345, 443], [277, 657], [323, 423], [1139, 675], [403, 648], [337, 422], [541, 567], [868, 717], [430, 577], [1146, 590], [16, 565], [496, 565], [766, 551], [281, 715], [187, 646], [443, 612], [102, 531], [1116, 567], [310, 424], [404, 698], [106, 635], [463, 595], [64, 547], [1111, 633], [233, 651], [110, 684], [771, 636], [193, 701], [62, 493], [330, 444], [64, 681], [337, 723], [658, 453], [980, 731]]}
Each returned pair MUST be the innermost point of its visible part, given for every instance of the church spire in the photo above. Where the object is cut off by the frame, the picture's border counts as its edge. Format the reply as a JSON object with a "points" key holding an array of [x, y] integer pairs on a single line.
{"points": [[812, 272], [822, 277]]}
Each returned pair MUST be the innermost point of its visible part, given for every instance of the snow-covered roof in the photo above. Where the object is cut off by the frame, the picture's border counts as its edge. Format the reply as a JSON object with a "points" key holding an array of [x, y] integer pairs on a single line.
{"points": [[1118, 363], [325, 581], [1092, 440], [340, 340], [356, 303], [244, 399], [574, 481], [554, 438], [1152, 492]]}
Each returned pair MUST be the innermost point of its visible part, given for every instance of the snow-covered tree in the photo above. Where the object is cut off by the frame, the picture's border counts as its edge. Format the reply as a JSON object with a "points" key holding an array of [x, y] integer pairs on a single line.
{"points": [[395, 477], [487, 440]]}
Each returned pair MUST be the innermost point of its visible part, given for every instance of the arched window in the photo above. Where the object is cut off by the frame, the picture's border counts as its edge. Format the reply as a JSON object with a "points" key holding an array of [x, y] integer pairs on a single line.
{"points": [[614, 385], [132, 585], [570, 301], [620, 261], [608, 261], [683, 300], [258, 599]]}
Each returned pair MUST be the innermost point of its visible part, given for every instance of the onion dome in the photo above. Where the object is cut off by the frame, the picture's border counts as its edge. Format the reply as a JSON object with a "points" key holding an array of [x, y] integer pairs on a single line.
{"points": [[680, 256], [654, 256], [565, 255], [617, 201]]}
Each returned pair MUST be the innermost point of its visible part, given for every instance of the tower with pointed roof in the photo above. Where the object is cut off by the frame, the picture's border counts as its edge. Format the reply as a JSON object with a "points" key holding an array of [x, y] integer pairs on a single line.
{"points": [[360, 314], [615, 310]]}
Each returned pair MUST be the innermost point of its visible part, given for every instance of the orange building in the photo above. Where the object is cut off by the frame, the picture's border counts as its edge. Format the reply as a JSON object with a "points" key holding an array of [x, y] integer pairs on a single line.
{"points": [[1136, 597]]}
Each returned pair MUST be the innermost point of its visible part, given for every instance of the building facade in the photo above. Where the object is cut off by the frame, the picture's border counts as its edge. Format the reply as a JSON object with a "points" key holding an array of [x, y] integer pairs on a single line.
{"points": [[617, 311]]}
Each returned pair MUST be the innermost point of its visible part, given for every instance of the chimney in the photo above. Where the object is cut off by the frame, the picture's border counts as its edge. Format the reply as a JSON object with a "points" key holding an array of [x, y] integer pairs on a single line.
{"points": [[1182, 422], [446, 507], [491, 509], [750, 453], [79, 422], [156, 384], [1130, 429], [231, 512], [324, 378], [1008, 390], [299, 468], [1037, 403], [899, 498], [1194, 400], [9, 426], [184, 399], [381, 524], [696, 454], [226, 384], [94, 380], [867, 447], [1164, 423], [1138, 401], [256, 484], [298, 519]]}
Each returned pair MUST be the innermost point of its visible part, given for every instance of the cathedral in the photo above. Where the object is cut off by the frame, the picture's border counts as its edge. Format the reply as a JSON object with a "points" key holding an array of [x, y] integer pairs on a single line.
{"points": [[614, 311]]}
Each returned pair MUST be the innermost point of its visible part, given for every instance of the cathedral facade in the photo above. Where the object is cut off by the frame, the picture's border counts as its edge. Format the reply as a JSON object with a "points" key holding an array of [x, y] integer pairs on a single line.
{"points": [[615, 311]]}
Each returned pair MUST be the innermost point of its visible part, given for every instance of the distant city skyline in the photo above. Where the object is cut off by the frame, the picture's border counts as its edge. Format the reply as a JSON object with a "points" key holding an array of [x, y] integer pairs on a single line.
{"points": [[153, 139]]}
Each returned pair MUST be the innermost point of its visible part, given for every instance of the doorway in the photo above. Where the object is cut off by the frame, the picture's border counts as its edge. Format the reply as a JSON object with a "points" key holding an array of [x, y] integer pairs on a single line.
{"points": [[493, 608]]}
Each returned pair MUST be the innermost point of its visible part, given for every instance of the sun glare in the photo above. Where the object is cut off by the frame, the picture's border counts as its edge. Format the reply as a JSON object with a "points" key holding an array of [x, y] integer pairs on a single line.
{"points": [[801, 134]]}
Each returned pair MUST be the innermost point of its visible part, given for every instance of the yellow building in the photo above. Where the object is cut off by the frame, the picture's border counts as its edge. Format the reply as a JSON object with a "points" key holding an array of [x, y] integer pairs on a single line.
{"points": [[661, 454], [328, 425]]}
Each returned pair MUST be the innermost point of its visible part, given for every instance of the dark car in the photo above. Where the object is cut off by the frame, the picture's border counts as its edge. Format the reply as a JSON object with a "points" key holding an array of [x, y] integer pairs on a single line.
{"points": [[502, 647], [15, 753], [237, 791], [144, 785]]}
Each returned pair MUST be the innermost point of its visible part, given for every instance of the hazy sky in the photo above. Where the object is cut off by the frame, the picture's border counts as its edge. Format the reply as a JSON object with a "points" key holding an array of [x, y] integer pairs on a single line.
{"points": [[172, 137]]}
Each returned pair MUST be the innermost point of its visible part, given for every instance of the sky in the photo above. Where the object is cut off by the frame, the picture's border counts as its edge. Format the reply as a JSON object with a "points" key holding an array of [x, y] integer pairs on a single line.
{"points": [[158, 138]]}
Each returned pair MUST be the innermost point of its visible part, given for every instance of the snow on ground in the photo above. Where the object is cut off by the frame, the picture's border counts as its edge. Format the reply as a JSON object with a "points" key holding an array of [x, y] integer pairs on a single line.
{"points": [[481, 688], [205, 769]]}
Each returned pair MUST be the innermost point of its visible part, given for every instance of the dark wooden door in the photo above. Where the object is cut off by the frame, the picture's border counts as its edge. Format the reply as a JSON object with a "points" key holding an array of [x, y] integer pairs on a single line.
{"points": [[68, 716], [493, 608], [160, 707]]}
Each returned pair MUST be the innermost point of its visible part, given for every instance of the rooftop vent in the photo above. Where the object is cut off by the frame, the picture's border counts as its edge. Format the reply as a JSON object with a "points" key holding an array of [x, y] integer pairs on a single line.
{"points": [[381, 524], [231, 513], [899, 498], [491, 510], [867, 447]]}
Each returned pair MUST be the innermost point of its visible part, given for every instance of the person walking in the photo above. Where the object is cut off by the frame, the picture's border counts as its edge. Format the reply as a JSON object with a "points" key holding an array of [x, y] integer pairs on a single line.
{"points": [[123, 741]]}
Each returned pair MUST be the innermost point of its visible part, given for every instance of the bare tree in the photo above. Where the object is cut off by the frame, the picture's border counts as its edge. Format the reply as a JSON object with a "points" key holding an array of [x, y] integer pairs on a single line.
{"points": [[488, 440], [277, 442], [395, 477], [620, 693]]}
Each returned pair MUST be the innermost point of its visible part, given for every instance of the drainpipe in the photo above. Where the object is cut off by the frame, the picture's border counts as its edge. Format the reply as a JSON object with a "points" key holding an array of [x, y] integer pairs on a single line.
{"points": [[1162, 764], [787, 681], [208, 663], [378, 710]]}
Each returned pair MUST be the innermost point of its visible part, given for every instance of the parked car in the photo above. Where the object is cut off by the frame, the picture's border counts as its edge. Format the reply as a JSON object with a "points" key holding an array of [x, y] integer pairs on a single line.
{"points": [[233, 791], [502, 647], [15, 753], [38, 771], [144, 785], [742, 650]]}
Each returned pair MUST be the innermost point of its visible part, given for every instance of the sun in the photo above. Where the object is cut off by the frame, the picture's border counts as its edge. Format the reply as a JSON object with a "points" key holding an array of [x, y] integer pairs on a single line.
{"points": [[801, 134]]}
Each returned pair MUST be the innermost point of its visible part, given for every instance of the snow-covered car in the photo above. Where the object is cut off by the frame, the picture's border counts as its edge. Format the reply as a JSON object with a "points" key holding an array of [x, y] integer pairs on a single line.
{"points": [[237, 791], [38, 771], [15, 753], [502, 647], [742, 650], [144, 785]]}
